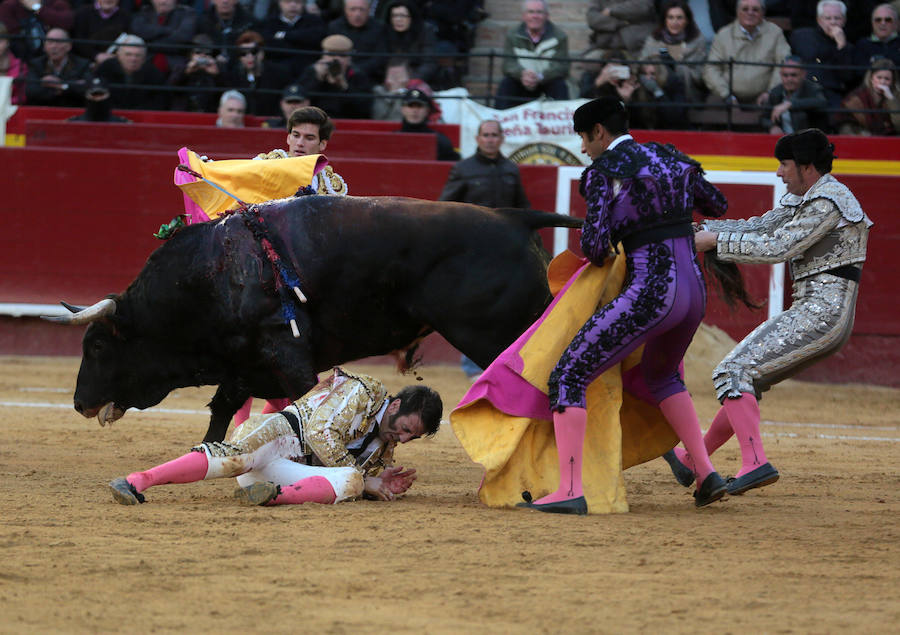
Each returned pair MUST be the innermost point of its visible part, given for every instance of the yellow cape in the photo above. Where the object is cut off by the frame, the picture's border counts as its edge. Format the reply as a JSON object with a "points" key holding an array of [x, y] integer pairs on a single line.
{"points": [[520, 454], [250, 180]]}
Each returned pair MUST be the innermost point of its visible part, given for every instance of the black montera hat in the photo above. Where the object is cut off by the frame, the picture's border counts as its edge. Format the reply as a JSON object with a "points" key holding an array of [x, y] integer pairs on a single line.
{"points": [[96, 86], [806, 147], [597, 111]]}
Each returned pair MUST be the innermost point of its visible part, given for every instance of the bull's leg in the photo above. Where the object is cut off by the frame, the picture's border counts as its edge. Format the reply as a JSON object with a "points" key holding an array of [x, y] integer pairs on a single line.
{"points": [[224, 404]]}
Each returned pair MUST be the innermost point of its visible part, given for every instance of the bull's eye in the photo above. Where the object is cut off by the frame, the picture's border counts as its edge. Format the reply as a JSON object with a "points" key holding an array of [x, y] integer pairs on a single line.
{"points": [[97, 347]]}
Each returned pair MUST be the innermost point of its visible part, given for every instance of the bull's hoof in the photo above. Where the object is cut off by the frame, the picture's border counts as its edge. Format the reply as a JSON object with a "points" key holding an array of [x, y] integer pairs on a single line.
{"points": [[124, 492], [258, 493]]}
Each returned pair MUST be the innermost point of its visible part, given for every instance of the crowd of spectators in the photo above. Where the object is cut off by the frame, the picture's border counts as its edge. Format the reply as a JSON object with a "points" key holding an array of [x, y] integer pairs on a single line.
{"points": [[781, 65]]}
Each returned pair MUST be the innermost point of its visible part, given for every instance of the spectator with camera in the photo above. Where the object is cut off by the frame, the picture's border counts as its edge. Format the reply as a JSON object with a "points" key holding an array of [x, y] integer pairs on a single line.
{"points": [[201, 77], [57, 78], [535, 59], [796, 104], [97, 105], [335, 85], [260, 80], [293, 28], [678, 46]]}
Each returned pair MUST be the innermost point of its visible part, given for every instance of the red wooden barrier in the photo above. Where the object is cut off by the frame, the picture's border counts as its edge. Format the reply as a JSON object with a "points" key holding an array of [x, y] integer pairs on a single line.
{"points": [[231, 142], [78, 225]]}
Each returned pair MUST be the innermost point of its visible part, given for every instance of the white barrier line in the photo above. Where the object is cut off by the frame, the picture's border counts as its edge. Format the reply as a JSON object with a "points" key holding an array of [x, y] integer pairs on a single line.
{"points": [[829, 437], [40, 389], [840, 426], [186, 411], [64, 406]]}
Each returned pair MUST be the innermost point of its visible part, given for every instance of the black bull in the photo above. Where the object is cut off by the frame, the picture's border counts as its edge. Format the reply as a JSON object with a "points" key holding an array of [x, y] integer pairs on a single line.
{"points": [[379, 273]]}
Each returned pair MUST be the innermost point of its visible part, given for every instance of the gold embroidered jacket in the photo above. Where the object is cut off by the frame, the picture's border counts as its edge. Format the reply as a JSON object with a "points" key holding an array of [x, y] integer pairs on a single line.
{"points": [[823, 229], [338, 422]]}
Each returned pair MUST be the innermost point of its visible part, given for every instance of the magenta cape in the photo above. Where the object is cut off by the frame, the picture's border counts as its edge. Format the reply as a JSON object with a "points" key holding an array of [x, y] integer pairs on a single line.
{"points": [[504, 422]]}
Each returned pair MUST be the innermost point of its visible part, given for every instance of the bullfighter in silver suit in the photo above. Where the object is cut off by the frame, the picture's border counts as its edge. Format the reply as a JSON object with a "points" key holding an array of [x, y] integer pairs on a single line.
{"points": [[821, 230]]}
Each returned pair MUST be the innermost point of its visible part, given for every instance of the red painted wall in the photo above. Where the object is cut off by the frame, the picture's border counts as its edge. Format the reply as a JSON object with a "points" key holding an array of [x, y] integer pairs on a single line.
{"points": [[78, 225]]}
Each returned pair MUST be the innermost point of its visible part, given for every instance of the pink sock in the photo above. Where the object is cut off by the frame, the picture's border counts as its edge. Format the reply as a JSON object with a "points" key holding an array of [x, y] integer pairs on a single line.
{"points": [[744, 416], [275, 405], [312, 489], [678, 410], [244, 413], [185, 469], [719, 432], [568, 427]]}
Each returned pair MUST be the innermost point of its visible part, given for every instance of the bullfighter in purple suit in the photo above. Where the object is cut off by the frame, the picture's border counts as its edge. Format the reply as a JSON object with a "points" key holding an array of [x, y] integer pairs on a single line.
{"points": [[642, 195]]}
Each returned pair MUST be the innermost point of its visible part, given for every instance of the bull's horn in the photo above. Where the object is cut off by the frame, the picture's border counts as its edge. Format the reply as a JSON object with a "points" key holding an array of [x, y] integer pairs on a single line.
{"points": [[73, 308], [83, 316]]}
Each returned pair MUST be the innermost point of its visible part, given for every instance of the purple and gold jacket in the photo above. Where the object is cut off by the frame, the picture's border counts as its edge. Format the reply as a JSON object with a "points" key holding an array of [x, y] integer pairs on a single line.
{"points": [[638, 187]]}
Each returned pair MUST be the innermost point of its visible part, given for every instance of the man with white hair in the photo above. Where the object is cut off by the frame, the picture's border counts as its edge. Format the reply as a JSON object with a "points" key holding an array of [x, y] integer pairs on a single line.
{"points": [[825, 47], [883, 41], [232, 108], [130, 77], [535, 59], [751, 42]]}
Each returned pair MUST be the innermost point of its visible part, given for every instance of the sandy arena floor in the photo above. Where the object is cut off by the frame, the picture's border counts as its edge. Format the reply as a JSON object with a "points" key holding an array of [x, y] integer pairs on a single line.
{"points": [[819, 551]]}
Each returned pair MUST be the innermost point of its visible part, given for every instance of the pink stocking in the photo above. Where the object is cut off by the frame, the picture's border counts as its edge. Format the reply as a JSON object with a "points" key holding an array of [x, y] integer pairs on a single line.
{"points": [[678, 410], [185, 469], [568, 427], [275, 405], [744, 416], [719, 432], [244, 413], [312, 489]]}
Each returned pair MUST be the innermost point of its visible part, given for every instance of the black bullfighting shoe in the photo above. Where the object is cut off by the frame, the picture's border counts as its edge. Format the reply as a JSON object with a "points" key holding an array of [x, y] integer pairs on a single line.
{"points": [[124, 493], [570, 506], [713, 489], [258, 493], [764, 475], [682, 472]]}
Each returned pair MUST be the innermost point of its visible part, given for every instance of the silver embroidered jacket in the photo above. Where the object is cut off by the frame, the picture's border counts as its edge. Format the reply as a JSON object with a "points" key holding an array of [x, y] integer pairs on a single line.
{"points": [[823, 229]]}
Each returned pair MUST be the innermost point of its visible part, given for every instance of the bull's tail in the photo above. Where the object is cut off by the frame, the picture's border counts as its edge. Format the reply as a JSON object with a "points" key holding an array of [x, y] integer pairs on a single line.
{"points": [[536, 219]]}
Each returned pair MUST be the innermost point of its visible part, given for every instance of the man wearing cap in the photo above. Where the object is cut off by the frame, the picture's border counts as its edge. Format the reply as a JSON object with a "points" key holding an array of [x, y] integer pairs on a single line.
{"points": [[415, 110], [292, 98], [334, 85], [640, 198], [98, 107], [821, 230]]}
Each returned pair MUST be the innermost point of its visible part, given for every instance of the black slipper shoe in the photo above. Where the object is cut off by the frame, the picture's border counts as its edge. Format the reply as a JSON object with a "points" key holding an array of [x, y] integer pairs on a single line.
{"points": [[713, 489], [682, 472], [570, 506], [764, 475]]}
